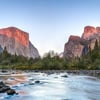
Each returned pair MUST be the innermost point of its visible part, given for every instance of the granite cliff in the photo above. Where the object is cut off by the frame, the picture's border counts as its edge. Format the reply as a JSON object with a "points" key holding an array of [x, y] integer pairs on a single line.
{"points": [[17, 41], [78, 46], [90, 31]]}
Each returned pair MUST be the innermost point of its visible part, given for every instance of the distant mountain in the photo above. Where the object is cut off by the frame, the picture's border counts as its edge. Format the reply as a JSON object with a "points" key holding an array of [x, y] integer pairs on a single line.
{"points": [[78, 46], [17, 42]]}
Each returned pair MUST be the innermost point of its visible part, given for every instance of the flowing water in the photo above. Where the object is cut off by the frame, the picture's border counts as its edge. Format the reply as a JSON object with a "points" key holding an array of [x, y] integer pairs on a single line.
{"points": [[56, 86]]}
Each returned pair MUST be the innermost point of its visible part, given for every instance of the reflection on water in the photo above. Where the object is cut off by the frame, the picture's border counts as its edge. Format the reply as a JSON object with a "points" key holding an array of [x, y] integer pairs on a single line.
{"points": [[41, 86]]}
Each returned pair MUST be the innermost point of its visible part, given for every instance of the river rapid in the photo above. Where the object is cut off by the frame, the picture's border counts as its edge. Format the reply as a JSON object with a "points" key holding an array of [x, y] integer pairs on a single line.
{"points": [[55, 86]]}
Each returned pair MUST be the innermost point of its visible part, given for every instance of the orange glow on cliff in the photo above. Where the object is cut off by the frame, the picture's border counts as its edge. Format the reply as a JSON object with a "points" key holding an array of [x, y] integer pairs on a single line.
{"points": [[17, 34]]}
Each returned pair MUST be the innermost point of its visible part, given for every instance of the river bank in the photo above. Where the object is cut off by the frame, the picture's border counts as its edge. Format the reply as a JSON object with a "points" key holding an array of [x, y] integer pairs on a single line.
{"points": [[95, 73]]}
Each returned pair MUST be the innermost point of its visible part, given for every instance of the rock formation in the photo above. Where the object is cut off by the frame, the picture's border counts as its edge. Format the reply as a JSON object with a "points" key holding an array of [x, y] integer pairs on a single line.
{"points": [[74, 47], [17, 34], [17, 41], [78, 46], [88, 32], [4, 88]]}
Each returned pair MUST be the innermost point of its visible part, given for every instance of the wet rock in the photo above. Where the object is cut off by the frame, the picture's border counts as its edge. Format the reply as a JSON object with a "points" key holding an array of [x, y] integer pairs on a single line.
{"points": [[49, 73], [11, 92], [36, 71], [31, 79], [12, 78], [37, 81], [4, 88], [31, 83], [65, 76], [2, 84], [55, 77], [4, 71]]}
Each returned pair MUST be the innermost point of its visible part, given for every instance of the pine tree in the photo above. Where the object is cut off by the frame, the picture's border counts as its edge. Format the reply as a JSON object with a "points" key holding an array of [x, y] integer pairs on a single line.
{"points": [[5, 53], [89, 50], [96, 45]]}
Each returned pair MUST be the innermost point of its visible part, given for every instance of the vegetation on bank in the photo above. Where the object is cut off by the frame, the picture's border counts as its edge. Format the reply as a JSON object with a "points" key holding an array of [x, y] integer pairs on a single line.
{"points": [[51, 61]]}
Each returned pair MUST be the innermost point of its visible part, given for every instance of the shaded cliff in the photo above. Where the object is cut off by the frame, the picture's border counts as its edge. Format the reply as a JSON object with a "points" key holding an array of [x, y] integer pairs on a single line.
{"points": [[17, 42]]}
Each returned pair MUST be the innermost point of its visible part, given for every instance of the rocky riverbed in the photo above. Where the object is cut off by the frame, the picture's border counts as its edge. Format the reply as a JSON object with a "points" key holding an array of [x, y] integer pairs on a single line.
{"points": [[48, 85]]}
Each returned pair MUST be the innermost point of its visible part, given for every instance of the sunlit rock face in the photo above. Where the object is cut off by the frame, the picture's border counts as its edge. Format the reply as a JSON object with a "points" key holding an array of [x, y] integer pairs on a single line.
{"points": [[92, 34], [17, 34], [17, 41], [78, 46], [98, 30], [90, 31]]}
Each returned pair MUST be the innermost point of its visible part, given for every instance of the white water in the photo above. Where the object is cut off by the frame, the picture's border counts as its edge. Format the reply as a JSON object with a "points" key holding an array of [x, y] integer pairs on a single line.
{"points": [[56, 87]]}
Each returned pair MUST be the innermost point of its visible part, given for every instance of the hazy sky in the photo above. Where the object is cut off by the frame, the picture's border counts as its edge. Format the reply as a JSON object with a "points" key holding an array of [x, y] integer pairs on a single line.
{"points": [[50, 22]]}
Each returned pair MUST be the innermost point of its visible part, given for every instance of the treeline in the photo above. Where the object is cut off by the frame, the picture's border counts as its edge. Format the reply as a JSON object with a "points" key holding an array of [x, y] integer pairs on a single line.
{"points": [[52, 61], [8, 61], [90, 61]]}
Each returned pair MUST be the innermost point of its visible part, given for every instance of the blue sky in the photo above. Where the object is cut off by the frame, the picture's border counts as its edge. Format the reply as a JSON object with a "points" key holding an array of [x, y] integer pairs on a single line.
{"points": [[50, 22]]}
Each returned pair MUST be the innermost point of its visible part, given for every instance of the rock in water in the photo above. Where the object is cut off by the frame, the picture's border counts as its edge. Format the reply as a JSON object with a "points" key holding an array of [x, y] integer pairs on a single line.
{"points": [[4, 88], [11, 92], [37, 81], [17, 41], [65, 76], [2, 84]]}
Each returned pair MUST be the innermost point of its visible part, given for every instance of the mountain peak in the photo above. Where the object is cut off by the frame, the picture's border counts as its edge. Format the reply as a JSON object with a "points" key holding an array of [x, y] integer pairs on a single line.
{"points": [[79, 46], [98, 29], [17, 34], [17, 42], [74, 38], [90, 31]]}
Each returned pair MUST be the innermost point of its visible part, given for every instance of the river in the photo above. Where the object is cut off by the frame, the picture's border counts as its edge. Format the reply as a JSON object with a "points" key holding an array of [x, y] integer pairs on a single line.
{"points": [[55, 86]]}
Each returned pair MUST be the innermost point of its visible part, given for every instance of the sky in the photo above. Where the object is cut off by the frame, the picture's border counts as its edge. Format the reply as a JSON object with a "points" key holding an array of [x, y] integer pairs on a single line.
{"points": [[50, 22]]}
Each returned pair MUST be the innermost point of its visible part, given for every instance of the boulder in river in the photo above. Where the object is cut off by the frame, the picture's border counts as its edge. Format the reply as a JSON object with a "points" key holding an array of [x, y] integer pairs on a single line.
{"points": [[4, 88], [65, 76], [11, 92], [37, 81]]}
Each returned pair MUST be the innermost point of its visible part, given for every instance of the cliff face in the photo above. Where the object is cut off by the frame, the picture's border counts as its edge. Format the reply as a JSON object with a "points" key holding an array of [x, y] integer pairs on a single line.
{"points": [[90, 31], [73, 47], [17, 41], [78, 46], [17, 34]]}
